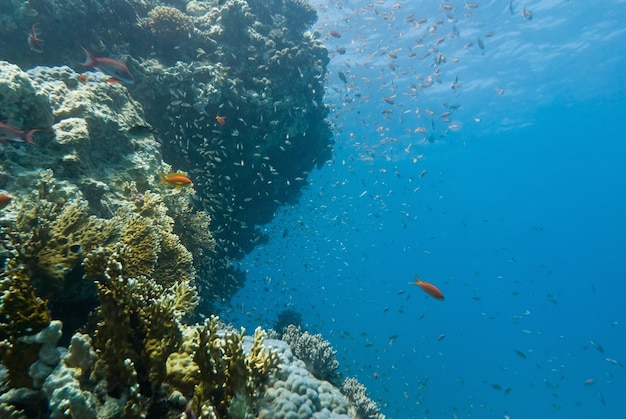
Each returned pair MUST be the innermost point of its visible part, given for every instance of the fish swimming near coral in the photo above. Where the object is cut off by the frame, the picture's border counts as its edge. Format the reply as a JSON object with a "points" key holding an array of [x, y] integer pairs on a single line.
{"points": [[34, 42], [10, 133], [176, 180], [116, 69], [428, 288]]}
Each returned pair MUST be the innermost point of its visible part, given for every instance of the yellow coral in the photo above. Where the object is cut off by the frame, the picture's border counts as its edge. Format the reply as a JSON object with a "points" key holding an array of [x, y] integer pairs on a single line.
{"points": [[175, 261], [182, 372], [259, 361], [181, 298], [143, 241], [21, 313], [227, 373]]}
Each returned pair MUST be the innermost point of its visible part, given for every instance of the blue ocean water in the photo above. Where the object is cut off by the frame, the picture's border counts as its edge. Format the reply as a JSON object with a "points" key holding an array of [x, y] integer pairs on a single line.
{"points": [[514, 208]]}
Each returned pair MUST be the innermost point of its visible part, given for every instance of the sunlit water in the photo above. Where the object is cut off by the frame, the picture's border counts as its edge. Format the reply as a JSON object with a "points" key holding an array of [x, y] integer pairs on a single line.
{"points": [[514, 208]]}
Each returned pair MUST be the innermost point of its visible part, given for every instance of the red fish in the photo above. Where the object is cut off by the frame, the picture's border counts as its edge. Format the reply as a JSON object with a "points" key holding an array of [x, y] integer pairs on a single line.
{"points": [[116, 69], [220, 120], [429, 289], [176, 180], [4, 200], [10, 133], [34, 43]]}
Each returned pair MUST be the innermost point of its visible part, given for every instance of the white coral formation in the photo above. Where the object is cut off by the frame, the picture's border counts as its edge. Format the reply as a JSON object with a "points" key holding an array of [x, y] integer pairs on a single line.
{"points": [[315, 351], [292, 392]]}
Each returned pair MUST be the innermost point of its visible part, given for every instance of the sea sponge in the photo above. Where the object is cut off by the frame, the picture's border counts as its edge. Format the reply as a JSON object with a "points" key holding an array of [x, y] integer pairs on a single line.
{"points": [[169, 25]]}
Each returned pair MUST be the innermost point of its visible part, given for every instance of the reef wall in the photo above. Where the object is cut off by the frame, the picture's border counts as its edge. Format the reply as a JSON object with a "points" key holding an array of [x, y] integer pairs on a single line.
{"points": [[104, 260], [234, 89]]}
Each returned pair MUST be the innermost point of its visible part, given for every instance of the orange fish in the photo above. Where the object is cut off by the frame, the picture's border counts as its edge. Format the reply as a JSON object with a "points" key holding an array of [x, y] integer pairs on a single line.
{"points": [[429, 289], [176, 180], [4, 200], [34, 43], [220, 120]]}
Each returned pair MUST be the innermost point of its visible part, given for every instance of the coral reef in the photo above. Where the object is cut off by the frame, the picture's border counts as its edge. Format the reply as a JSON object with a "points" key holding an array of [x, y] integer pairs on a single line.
{"points": [[169, 25], [364, 406], [231, 93], [300, 13], [317, 353], [292, 392], [229, 376]]}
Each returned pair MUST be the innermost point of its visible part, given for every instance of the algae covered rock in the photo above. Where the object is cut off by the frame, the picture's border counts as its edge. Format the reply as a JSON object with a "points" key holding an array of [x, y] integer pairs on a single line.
{"points": [[22, 104]]}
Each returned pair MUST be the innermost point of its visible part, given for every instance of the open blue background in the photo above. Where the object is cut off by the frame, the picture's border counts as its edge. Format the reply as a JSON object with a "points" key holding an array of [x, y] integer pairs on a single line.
{"points": [[519, 219]]}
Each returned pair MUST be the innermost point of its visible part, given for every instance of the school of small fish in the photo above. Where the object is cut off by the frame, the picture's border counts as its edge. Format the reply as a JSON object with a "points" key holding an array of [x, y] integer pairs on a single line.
{"points": [[399, 76]]}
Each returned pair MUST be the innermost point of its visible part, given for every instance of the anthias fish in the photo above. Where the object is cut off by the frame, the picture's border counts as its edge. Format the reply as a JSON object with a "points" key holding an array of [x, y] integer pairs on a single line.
{"points": [[429, 289], [10, 133], [34, 42], [116, 69], [4, 200], [176, 180]]}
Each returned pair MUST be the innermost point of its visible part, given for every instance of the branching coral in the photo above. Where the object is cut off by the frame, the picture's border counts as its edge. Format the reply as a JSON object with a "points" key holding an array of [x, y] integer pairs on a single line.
{"points": [[229, 378], [365, 407], [134, 326], [21, 313], [50, 235], [300, 13], [317, 353]]}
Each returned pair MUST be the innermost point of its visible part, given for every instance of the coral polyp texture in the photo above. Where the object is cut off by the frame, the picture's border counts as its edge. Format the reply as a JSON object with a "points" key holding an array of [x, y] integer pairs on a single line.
{"points": [[105, 265]]}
